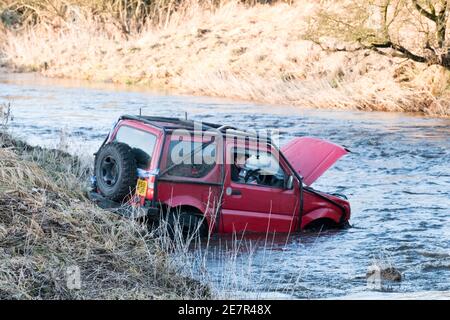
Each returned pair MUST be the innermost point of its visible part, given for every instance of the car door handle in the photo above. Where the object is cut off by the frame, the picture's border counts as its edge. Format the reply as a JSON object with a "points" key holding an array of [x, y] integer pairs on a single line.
{"points": [[233, 192], [236, 192]]}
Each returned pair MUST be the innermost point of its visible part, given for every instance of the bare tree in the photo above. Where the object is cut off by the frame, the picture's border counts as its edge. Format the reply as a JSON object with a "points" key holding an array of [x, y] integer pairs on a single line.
{"points": [[381, 24]]}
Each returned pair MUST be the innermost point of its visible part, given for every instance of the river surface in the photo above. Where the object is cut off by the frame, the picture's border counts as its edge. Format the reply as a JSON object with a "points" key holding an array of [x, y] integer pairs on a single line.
{"points": [[397, 178]]}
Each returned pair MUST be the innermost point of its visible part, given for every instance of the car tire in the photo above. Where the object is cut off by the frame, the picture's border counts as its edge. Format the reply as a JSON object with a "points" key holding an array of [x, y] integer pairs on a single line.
{"points": [[115, 171], [185, 224]]}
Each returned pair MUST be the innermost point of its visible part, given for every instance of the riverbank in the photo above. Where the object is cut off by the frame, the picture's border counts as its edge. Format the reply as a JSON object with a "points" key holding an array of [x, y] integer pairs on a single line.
{"points": [[55, 244], [256, 53]]}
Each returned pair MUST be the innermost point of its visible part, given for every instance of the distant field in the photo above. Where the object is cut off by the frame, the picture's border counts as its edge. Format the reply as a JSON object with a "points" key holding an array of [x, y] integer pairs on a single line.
{"points": [[257, 52]]}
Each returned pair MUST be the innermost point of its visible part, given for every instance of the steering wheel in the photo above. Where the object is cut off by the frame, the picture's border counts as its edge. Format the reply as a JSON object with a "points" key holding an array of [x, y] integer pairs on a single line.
{"points": [[252, 173], [262, 179]]}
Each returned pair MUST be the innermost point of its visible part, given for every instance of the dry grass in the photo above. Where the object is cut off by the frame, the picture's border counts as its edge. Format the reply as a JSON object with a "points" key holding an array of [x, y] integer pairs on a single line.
{"points": [[256, 53], [47, 226]]}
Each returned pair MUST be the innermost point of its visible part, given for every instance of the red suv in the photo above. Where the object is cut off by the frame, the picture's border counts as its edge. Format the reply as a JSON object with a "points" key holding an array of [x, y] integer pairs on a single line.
{"points": [[217, 177]]}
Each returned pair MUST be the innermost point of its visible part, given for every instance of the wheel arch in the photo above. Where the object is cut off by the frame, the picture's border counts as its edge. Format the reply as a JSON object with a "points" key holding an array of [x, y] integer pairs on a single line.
{"points": [[325, 215], [187, 204]]}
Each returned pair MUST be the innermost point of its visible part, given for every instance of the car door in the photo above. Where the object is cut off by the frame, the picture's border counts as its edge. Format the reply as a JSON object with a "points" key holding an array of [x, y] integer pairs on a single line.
{"points": [[254, 207], [191, 174]]}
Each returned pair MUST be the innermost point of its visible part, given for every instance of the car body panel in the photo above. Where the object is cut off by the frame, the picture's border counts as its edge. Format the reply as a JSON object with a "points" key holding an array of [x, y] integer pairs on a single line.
{"points": [[258, 208], [205, 198], [311, 157], [321, 213]]}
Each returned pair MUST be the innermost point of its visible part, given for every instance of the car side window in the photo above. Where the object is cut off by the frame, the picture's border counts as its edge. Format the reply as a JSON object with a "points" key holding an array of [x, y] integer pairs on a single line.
{"points": [[141, 142], [190, 159], [256, 167]]}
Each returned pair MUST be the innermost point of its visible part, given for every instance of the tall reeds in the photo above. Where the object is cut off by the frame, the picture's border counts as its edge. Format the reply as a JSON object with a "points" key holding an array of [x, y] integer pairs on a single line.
{"points": [[249, 51]]}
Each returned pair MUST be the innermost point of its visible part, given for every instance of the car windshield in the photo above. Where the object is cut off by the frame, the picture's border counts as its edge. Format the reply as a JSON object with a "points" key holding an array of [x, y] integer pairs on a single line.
{"points": [[141, 142]]}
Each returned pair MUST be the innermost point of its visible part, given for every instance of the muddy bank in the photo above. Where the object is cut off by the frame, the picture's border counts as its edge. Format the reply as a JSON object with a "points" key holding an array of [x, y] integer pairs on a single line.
{"points": [[54, 244], [254, 53]]}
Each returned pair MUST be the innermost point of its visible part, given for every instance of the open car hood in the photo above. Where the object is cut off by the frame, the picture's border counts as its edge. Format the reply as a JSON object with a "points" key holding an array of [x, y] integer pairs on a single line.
{"points": [[311, 157]]}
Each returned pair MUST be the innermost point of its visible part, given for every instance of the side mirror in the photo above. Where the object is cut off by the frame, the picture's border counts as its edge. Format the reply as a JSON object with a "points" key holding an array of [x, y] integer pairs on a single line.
{"points": [[289, 183]]}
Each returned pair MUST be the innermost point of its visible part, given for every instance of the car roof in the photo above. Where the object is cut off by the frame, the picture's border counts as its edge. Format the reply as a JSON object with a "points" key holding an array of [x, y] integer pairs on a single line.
{"points": [[168, 124]]}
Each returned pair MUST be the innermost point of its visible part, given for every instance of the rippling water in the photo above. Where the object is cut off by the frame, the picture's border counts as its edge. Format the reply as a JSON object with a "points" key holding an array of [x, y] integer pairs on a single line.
{"points": [[397, 179]]}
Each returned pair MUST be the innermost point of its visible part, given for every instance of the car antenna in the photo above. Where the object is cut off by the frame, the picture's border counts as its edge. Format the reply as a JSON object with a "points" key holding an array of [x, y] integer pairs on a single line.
{"points": [[185, 115], [140, 112]]}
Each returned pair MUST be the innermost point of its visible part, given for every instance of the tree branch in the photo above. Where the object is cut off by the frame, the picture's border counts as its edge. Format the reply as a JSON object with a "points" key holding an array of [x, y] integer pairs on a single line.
{"points": [[408, 54], [441, 24], [424, 12], [384, 13]]}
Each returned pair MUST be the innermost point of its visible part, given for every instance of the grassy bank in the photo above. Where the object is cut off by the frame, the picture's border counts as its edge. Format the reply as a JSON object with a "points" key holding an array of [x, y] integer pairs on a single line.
{"points": [[256, 52], [49, 232]]}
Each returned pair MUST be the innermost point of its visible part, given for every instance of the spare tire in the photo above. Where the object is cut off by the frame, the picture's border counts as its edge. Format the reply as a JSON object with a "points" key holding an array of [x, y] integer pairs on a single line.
{"points": [[115, 171]]}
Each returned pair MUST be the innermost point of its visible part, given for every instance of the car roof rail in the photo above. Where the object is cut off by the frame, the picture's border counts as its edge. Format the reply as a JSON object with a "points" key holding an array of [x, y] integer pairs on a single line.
{"points": [[153, 120], [225, 127]]}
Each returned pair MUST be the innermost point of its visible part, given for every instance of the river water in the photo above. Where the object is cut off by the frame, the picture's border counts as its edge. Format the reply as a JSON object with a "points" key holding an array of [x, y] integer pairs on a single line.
{"points": [[397, 178]]}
